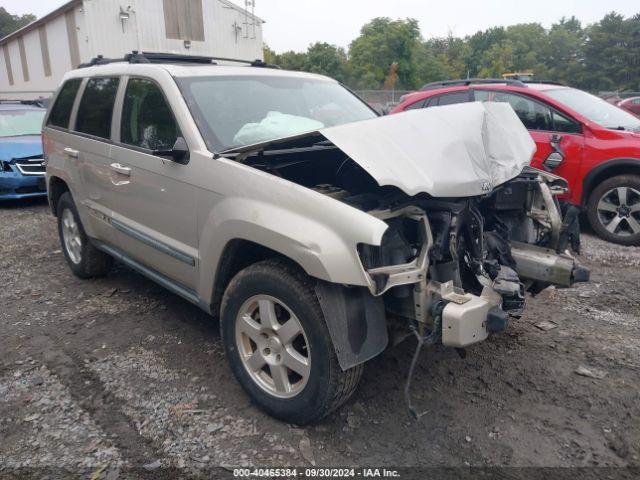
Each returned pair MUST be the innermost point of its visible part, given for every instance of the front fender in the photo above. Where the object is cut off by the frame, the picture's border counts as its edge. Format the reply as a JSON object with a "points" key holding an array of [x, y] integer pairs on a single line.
{"points": [[318, 233]]}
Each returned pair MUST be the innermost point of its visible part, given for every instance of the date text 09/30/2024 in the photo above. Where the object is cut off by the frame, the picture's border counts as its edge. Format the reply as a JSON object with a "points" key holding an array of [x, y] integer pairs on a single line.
{"points": [[315, 473]]}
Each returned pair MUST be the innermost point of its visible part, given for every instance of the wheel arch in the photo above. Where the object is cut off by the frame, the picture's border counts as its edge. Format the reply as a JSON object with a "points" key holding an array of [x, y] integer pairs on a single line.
{"points": [[606, 170], [237, 255], [57, 186], [356, 320]]}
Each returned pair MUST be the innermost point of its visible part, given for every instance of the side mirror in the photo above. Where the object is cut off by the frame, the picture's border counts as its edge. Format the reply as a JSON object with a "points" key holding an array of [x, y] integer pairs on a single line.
{"points": [[179, 153]]}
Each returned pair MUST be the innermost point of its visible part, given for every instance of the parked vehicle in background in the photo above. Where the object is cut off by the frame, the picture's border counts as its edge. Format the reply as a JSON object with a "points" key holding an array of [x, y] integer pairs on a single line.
{"points": [[631, 105], [580, 137], [280, 202], [21, 161]]}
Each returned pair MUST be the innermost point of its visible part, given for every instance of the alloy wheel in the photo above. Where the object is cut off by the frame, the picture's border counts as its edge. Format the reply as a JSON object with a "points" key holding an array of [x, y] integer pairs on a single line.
{"points": [[273, 346], [71, 236], [619, 211]]}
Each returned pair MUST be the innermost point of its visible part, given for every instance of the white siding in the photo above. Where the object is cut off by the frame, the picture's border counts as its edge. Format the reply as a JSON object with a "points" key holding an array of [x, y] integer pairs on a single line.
{"points": [[58, 50], [100, 31], [145, 31]]}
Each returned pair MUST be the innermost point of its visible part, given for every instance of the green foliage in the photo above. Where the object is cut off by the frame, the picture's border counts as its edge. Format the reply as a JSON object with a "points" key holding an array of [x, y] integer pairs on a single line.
{"points": [[327, 60], [10, 23], [601, 56], [383, 42]]}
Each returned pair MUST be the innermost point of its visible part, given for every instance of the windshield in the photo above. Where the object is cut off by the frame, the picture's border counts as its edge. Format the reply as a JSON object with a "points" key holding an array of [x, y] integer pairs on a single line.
{"points": [[239, 111], [21, 122], [595, 109]]}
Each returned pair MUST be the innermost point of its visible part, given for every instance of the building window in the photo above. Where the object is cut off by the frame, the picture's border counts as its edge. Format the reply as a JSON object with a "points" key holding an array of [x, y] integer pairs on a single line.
{"points": [[183, 20]]}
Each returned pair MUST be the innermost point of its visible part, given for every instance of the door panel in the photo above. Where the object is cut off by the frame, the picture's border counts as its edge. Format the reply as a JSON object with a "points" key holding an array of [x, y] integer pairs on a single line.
{"points": [[154, 213], [153, 205], [571, 147]]}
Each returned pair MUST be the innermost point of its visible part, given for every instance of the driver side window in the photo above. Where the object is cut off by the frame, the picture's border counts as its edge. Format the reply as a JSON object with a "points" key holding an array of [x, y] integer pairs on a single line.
{"points": [[147, 120]]}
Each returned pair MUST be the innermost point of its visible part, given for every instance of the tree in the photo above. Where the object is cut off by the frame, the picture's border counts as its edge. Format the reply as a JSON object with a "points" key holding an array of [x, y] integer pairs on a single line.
{"points": [[10, 23], [430, 68], [601, 56], [479, 43], [292, 60], [610, 53], [327, 60], [269, 55], [383, 42], [565, 56]]}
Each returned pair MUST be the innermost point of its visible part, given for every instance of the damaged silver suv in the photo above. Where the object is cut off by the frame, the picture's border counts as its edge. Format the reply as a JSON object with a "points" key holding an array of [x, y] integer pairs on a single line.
{"points": [[280, 203]]}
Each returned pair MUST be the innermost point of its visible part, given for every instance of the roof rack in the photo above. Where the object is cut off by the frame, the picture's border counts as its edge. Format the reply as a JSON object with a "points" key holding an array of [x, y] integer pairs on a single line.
{"points": [[548, 82], [37, 103], [152, 57], [472, 81]]}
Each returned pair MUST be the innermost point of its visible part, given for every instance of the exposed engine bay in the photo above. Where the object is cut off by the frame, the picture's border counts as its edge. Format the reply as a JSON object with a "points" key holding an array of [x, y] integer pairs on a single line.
{"points": [[455, 268]]}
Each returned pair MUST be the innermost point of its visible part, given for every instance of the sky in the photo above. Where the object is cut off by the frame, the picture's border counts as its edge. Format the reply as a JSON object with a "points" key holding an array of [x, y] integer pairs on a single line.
{"points": [[294, 24]]}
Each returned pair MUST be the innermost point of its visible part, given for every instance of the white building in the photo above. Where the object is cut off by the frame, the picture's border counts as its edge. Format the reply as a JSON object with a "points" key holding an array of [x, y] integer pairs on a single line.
{"points": [[34, 59]]}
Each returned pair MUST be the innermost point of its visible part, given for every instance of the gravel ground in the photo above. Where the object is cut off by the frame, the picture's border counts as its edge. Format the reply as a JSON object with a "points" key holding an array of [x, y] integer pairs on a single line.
{"points": [[105, 375]]}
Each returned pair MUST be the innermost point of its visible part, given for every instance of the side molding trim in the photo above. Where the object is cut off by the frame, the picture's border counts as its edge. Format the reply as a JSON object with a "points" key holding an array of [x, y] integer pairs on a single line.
{"points": [[153, 243], [180, 290]]}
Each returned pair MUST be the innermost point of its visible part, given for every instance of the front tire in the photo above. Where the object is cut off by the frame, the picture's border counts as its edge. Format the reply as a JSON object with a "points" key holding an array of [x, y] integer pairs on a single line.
{"points": [[614, 210], [278, 344], [84, 259]]}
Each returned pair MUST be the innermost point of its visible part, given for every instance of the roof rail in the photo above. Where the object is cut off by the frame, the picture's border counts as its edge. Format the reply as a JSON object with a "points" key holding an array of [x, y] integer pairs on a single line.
{"points": [[472, 81], [37, 103], [136, 57], [547, 82]]}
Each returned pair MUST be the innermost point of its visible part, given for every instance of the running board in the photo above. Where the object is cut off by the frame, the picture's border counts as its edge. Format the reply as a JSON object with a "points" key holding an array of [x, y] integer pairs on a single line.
{"points": [[180, 290]]}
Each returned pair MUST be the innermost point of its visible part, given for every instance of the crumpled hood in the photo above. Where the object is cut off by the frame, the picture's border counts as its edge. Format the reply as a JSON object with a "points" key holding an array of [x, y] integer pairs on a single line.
{"points": [[453, 151], [459, 150], [20, 147]]}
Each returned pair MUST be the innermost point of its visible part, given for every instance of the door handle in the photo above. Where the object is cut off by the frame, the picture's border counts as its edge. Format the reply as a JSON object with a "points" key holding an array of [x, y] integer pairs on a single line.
{"points": [[70, 152], [121, 169]]}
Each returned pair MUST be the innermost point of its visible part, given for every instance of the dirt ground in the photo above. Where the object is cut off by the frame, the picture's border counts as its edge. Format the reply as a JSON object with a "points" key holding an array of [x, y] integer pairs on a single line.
{"points": [[114, 373]]}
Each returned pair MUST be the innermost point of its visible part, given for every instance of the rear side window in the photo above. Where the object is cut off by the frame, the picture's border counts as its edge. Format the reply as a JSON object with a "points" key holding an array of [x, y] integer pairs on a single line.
{"points": [[416, 105], [147, 120], [452, 98], [96, 107], [61, 111]]}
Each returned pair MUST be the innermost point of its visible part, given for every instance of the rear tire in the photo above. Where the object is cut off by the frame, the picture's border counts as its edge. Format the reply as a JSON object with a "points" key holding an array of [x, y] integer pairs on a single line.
{"points": [[613, 210], [270, 319], [84, 259]]}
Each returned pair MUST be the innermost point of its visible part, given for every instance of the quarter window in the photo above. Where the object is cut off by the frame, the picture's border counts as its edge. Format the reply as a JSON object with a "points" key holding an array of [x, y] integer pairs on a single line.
{"points": [[147, 120], [61, 111], [564, 125], [453, 98], [96, 107], [416, 105]]}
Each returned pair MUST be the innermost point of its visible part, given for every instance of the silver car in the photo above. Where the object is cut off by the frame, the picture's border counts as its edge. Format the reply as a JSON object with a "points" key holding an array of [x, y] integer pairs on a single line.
{"points": [[281, 204]]}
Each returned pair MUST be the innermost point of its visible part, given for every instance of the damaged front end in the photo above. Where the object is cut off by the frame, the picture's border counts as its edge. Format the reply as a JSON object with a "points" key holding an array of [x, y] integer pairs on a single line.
{"points": [[457, 269], [470, 226]]}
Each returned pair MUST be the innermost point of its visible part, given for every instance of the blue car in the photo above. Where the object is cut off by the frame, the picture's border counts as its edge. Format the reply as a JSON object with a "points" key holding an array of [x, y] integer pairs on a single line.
{"points": [[21, 160]]}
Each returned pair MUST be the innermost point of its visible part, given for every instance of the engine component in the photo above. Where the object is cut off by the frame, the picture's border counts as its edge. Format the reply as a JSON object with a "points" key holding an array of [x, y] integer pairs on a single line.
{"points": [[545, 265], [511, 289]]}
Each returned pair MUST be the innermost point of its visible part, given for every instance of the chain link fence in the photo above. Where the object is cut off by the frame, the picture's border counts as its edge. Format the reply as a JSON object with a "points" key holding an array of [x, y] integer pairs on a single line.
{"points": [[382, 100]]}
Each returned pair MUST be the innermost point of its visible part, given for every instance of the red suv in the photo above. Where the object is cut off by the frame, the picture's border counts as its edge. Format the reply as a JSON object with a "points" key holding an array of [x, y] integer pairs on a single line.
{"points": [[591, 143]]}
